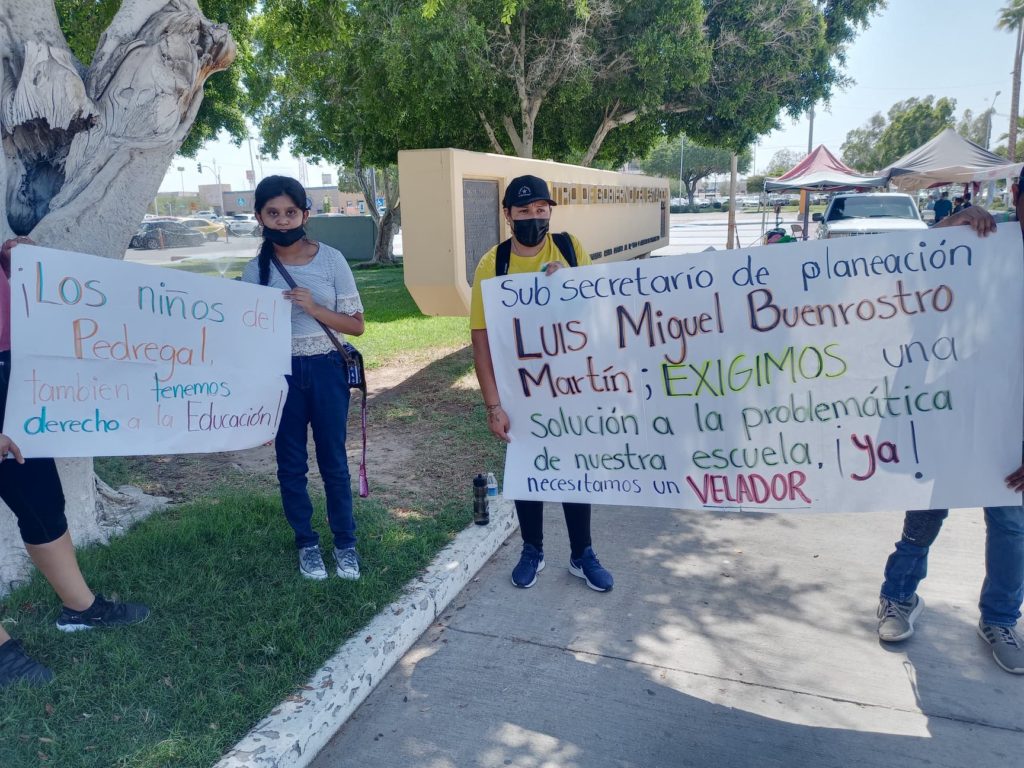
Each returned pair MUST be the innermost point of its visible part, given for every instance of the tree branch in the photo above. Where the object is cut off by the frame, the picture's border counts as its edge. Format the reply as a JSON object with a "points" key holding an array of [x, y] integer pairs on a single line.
{"points": [[513, 134], [495, 144]]}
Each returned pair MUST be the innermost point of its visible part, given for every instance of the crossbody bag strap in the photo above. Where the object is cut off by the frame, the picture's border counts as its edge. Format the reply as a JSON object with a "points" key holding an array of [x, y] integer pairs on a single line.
{"points": [[330, 334]]}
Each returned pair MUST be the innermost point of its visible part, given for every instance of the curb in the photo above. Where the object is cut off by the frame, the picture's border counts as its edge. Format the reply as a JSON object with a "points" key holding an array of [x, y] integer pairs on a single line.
{"points": [[298, 728]]}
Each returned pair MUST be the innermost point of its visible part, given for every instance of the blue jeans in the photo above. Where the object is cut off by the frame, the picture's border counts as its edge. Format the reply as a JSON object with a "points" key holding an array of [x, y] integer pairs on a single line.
{"points": [[318, 395], [1003, 589]]}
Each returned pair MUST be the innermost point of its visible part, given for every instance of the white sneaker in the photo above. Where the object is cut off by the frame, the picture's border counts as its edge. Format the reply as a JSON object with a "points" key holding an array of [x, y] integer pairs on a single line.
{"points": [[348, 563], [311, 563], [896, 619]]}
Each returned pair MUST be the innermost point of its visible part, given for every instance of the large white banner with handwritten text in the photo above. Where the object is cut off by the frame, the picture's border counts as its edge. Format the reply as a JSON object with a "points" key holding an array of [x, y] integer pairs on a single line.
{"points": [[861, 373], [110, 358]]}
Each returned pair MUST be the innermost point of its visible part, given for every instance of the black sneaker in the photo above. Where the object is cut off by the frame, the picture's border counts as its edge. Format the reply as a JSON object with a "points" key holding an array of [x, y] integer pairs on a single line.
{"points": [[16, 666], [102, 613]]}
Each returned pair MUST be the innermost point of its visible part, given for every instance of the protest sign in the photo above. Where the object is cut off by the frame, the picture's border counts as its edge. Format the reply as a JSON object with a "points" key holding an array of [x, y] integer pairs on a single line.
{"points": [[864, 373], [113, 359]]}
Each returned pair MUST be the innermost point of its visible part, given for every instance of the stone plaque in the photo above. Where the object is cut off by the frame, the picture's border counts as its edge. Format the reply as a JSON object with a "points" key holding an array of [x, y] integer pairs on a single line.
{"points": [[481, 204]]}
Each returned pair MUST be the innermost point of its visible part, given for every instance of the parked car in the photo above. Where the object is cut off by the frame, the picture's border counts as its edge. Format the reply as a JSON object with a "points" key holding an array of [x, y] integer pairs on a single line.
{"points": [[165, 234], [243, 225], [212, 230], [868, 213]]}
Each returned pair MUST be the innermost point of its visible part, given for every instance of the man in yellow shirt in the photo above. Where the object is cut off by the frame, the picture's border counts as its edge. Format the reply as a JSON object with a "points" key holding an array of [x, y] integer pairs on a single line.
{"points": [[527, 209]]}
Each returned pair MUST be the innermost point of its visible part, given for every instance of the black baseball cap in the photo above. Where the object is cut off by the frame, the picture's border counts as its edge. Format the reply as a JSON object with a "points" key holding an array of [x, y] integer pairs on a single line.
{"points": [[523, 190]]}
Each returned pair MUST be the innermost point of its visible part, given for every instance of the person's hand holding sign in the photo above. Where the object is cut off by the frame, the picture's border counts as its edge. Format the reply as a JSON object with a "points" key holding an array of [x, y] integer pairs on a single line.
{"points": [[8, 446], [978, 219], [303, 298], [5, 252]]}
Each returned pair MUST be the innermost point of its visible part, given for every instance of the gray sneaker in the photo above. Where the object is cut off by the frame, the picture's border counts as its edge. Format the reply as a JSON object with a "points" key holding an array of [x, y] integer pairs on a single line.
{"points": [[1007, 647], [348, 563], [896, 619], [311, 563]]}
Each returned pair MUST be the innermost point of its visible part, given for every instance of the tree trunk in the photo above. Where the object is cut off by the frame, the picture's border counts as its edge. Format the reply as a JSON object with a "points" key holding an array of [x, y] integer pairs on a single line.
{"points": [[1011, 143], [383, 247], [732, 239], [85, 149]]}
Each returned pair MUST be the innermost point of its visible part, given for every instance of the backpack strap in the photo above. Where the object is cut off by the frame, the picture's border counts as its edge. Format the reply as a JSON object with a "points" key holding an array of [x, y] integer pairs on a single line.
{"points": [[502, 258], [503, 255], [564, 243]]}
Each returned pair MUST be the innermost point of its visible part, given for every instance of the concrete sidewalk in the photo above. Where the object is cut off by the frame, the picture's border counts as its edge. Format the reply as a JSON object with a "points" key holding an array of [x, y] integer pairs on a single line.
{"points": [[729, 640]]}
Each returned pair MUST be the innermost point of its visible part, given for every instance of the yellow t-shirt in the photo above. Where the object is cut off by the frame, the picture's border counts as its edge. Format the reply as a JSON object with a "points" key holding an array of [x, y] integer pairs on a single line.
{"points": [[487, 266]]}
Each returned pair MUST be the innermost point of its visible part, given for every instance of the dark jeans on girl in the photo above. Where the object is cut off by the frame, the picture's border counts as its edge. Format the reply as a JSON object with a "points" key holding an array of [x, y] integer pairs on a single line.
{"points": [[318, 396]]}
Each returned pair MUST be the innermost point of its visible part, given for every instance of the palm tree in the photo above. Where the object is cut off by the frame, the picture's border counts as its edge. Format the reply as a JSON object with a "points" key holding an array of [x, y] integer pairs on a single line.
{"points": [[1011, 18]]}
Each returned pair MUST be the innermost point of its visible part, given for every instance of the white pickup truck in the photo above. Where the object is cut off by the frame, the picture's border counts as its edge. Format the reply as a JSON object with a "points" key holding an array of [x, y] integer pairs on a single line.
{"points": [[868, 213]]}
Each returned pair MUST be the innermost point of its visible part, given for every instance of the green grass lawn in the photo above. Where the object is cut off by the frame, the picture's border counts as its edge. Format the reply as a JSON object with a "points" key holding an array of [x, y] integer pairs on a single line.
{"points": [[395, 327], [234, 628]]}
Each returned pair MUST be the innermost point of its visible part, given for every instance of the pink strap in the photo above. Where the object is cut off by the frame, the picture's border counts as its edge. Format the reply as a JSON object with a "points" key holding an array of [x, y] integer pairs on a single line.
{"points": [[364, 484]]}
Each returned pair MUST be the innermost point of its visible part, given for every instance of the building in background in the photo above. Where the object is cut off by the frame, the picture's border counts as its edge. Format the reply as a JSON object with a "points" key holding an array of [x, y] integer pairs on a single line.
{"points": [[324, 200], [212, 196]]}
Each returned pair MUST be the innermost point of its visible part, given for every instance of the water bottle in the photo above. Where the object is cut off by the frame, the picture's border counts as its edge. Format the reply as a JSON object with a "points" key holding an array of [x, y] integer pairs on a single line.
{"points": [[492, 487], [480, 514]]}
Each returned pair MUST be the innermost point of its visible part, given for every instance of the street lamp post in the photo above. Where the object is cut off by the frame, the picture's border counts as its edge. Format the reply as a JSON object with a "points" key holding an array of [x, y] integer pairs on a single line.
{"points": [[988, 143], [181, 173], [988, 122], [220, 193]]}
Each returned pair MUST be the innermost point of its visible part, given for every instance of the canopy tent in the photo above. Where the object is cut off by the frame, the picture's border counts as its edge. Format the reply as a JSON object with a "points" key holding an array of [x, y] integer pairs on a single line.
{"points": [[823, 171], [948, 158]]}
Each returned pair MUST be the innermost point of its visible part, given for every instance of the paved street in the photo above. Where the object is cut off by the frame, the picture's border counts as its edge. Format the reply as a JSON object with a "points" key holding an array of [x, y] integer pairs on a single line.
{"points": [[730, 640]]}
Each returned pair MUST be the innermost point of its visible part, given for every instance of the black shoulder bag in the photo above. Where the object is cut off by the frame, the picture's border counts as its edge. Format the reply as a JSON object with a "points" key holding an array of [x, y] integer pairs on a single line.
{"points": [[355, 374]]}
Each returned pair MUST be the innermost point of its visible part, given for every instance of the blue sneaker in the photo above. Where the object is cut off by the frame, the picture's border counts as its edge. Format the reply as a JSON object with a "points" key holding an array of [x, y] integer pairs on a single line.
{"points": [[531, 562], [588, 568]]}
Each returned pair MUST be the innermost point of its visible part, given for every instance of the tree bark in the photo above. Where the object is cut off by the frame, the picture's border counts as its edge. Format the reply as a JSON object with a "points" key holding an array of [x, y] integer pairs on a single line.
{"points": [[495, 144], [85, 148], [383, 247]]}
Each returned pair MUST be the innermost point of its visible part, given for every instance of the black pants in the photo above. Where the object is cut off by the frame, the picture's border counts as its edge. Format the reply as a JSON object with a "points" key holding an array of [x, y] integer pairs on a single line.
{"points": [[32, 490], [577, 522]]}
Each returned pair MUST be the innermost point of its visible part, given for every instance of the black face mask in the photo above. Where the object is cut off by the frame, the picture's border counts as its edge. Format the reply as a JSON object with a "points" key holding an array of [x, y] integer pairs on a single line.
{"points": [[530, 232], [284, 237]]}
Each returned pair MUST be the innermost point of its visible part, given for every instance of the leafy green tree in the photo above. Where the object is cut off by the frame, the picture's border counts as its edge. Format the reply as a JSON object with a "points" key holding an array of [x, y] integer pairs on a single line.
{"points": [[600, 81], [909, 124], [1011, 19], [336, 80], [697, 162], [782, 161], [976, 128], [860, 150], [755, 183], [83, 21]]}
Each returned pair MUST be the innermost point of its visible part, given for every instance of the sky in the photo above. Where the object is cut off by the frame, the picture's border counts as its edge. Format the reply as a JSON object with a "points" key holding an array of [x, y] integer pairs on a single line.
{"points": [[912, 48]]}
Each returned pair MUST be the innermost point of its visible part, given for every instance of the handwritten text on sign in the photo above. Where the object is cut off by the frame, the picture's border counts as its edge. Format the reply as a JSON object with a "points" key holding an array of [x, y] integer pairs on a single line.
{"points": [[861, 373], [110, 358]]}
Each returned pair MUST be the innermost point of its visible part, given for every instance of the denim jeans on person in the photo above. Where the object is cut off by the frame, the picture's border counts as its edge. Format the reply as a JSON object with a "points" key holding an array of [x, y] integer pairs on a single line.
{"points": [[318, 396], [1003, 589]]}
